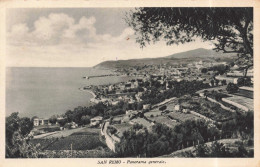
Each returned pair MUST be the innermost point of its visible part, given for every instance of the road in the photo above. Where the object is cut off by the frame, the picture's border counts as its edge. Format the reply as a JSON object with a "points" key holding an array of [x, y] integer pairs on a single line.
{"points": [[58, 134]]}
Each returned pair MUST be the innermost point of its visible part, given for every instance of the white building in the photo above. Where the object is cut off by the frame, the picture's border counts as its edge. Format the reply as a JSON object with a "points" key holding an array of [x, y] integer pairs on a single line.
{"points": [[177, 107], [41, 121], [228, 79], [146, 106], [96, 120]]}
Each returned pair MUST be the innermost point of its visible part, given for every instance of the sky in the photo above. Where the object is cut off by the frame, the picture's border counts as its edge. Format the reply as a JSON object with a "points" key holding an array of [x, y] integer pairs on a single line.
{"points": [[77, 37]]}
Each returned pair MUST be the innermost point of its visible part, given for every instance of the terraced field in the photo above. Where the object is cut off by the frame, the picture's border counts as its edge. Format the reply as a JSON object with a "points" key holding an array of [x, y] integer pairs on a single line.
{"points": [[80, 139], [142, 121], [245, 93], [152, 113], [164, 120], [247, 102], [77, 142], [182, 116], [122, 127], [43, 143]]}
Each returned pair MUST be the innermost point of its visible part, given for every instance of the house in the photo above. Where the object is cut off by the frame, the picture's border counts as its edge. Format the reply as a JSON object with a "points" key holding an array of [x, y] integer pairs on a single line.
{"points": [[130, 112], [228, 79], [116, 120], [131, 101], [73, 125], [114, 103], [185, 110], [94, 100], [202, 94], [128, 85], [146, 106], [41, 121], [167, 85], [96, 121], [177, 107], [179, 79], [111, 87]]}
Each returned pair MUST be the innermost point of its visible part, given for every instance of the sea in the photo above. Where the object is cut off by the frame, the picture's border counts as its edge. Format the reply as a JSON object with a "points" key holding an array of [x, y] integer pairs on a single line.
{"points": [[45, 91]]}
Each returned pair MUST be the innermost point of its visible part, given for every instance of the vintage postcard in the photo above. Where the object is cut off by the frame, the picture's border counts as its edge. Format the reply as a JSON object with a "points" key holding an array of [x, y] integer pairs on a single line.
{"points": [[140, 83]]}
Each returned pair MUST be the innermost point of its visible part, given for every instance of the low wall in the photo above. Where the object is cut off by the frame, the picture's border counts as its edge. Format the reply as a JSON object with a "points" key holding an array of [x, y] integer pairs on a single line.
{"points": [[235, 104], [202, 116], [221, 105], [109, 140]]}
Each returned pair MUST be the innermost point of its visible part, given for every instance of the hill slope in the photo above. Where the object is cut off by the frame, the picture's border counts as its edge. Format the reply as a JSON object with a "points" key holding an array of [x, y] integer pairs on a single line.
{"points": [[202, 53], [178, 58]]}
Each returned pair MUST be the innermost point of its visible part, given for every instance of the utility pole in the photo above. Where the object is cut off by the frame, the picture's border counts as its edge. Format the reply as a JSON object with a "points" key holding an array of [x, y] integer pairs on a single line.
{"points": [[71, 149]]}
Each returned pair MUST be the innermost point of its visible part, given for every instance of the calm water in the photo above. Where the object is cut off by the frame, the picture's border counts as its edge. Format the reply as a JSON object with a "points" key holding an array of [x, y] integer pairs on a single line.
{"points": [[44, 92]]}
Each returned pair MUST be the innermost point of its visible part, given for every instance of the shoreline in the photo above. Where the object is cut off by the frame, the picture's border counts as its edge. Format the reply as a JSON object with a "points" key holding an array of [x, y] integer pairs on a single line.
{"points": [[89, 91]]}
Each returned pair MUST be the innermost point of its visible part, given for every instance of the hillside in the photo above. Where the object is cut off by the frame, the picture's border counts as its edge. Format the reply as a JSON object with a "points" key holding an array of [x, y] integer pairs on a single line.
{"points": [[199, 53], [181, 153], [178, 58]]}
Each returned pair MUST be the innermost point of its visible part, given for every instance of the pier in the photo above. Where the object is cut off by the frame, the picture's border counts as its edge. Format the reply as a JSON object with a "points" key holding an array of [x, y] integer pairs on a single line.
{"points": [[96, 76]]}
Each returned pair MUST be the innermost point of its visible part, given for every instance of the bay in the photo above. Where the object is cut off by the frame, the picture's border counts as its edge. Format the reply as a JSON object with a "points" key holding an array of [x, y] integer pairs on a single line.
{"points": [[44, 91]]}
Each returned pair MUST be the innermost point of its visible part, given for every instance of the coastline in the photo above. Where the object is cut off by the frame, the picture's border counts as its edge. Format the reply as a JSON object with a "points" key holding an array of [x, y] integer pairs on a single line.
{"points": [[89, 91], [92, 93]]}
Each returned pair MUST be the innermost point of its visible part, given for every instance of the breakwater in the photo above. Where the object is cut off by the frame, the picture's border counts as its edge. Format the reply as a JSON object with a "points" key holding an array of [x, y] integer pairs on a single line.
{"points": [[96, 76]]}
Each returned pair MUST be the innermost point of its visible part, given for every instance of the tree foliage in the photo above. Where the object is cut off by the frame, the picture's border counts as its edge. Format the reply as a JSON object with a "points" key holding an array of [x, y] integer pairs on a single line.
{"points": [[232, 88], [17, 137]]}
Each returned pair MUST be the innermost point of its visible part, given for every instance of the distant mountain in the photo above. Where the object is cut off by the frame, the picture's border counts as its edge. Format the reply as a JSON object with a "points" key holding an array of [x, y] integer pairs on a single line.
{"points": [[177, 58], [201, 52]]}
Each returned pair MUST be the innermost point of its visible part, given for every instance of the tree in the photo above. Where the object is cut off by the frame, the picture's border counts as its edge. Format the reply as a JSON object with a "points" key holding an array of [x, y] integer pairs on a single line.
{"points": [[217, 81], [232, 88], [17, 137], [218, 150], [244, 81], [230, 29], [204, 70], [53, 119], [201, 150], [26, 125], [224, 82], [85, 119], [221, 69], [62, 122], [212, 82], [162, 108]]}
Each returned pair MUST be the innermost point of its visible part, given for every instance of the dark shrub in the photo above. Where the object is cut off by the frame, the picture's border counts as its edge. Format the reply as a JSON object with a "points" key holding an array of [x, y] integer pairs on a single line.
{"points": [[232, 88], [244, 81]]}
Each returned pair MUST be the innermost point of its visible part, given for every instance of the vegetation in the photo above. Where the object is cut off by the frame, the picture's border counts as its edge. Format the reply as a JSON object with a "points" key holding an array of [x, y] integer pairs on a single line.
{"points": [[77, 142], [244, 81], [217, 149], [17, 137], [177, 89], [232, 88], [112, 130], [138, 141], [220, 69], [163, 108], [216, 95], [99, 152]]}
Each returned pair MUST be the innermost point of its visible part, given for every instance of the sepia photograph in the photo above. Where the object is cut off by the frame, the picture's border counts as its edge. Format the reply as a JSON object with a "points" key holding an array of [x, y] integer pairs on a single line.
{"points": [[129, 82]]}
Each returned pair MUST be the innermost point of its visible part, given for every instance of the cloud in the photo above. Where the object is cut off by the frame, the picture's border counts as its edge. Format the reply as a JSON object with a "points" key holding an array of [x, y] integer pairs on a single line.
{"points": [[60, 28], [51, 28], [60, 40]]}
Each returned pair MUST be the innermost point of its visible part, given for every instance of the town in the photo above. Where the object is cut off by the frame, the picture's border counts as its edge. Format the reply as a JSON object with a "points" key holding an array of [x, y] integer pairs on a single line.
{"points": [[154, 95]]}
